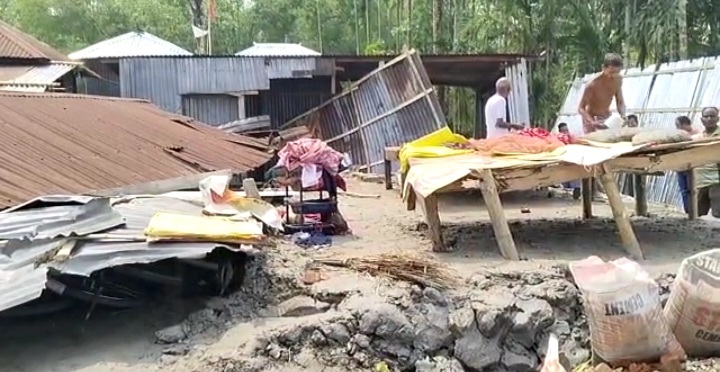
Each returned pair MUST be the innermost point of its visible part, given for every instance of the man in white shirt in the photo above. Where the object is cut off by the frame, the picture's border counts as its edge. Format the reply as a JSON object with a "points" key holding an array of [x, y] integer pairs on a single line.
{"points": [[496, 110]]}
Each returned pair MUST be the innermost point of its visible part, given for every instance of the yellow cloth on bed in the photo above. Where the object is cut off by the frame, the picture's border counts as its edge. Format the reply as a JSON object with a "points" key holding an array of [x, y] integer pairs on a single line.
{"points": [[179, 226], [431, 146]]}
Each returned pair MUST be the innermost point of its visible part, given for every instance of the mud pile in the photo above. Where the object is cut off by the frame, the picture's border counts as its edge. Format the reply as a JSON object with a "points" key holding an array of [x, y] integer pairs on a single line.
{"points": [[268, 279], [499, 322]]}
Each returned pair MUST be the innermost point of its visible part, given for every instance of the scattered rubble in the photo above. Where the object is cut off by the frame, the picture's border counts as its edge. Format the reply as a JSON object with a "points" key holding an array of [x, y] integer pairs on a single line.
{"points": [[500, 323]]}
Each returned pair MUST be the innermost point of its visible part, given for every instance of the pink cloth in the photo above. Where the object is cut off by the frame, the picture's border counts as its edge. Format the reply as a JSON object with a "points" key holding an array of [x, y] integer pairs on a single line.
{"points": [[309, 151]]}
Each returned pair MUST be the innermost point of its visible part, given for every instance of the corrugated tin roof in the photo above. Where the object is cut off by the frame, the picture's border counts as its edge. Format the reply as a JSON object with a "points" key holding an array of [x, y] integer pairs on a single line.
{"points": [[277, 50], [14, 44], [33, 78], [24, 263], [131, 44], [66, 143]]}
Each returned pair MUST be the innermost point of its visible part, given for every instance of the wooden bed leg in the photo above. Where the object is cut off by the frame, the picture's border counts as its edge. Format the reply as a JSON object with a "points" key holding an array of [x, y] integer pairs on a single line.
{"points": [[388, 174], [641, 207], [504, 237], [627, 235], [587, 197], [410, 199], [429, 204], [693, 202]]}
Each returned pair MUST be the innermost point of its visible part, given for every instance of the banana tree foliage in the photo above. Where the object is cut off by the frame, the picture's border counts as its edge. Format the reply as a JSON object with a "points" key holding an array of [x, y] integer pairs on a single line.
{"points": [[573, 34]]}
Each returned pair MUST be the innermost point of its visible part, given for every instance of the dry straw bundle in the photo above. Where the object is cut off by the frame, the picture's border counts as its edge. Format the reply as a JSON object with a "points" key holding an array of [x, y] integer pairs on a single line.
{"points": [[415, 268]]}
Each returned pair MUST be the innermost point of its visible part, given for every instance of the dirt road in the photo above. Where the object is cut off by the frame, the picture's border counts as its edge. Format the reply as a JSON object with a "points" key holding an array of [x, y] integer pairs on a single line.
{"points": [[552, 233]]}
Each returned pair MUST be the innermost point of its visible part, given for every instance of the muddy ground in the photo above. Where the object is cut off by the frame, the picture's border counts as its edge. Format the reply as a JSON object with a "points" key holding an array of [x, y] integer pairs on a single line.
{"points": [[352, 322]]}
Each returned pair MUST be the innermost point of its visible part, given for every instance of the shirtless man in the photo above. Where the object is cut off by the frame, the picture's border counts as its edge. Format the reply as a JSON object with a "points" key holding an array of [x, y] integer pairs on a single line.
{"points": [[594, 106]]}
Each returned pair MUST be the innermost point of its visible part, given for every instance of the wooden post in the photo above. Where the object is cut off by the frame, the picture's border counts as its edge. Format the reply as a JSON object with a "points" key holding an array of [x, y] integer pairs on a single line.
{"points": [[587, 197], [641, 207], [627, 235], [504, 237], [390, 154], [693, 198], [429, 204], [388, 174]]}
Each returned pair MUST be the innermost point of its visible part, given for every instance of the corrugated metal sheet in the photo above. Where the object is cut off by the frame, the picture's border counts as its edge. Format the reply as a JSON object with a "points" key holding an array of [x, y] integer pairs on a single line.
{"points": [[211, 109], [287, 68], [254, 124], [277, 50], [37, 78], [657, 95], [98, 87], [131, 44], [23, 277], [58, 217], [289, 98], [15, 44], [519, 100], [164, 80], [393, 105], [65, 143]]}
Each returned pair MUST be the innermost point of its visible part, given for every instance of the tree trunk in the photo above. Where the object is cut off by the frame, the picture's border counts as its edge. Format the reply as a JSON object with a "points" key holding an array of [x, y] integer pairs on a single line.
{"points": [[408, 36], [437, 16], [682, 30]]}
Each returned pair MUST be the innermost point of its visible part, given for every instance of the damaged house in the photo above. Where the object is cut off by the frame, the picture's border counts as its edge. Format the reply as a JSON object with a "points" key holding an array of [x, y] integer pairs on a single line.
{"points": [[61, 240]]}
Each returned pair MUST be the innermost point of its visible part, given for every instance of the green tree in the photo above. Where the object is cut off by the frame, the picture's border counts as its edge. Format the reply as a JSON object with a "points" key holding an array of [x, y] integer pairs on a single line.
{"points": [[573, 34]]}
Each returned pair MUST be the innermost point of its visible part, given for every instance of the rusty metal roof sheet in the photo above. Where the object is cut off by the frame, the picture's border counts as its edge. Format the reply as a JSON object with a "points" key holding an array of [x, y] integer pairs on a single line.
{"points": [[15, 44], [65, 143]]}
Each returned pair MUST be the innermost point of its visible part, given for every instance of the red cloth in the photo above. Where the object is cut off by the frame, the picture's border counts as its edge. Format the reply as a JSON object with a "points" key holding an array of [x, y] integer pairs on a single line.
{"points": [[542, 133]]}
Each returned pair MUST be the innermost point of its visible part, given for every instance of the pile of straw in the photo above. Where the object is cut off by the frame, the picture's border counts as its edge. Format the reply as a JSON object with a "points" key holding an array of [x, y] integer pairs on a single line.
{"points": [[414, 268]]}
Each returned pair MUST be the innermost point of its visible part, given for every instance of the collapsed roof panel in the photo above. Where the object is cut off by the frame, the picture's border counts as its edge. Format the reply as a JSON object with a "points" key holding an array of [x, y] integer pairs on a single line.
{"points": [[24, 264], [392, 105], [64, 143]]}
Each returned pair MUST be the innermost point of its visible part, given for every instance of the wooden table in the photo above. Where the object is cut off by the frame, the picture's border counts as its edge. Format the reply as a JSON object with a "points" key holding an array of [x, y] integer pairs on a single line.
{"points": [[674, 157]]}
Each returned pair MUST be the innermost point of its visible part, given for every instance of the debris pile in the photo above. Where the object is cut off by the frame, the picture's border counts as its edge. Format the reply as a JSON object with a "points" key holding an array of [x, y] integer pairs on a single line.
{"points": [[501, 323]]}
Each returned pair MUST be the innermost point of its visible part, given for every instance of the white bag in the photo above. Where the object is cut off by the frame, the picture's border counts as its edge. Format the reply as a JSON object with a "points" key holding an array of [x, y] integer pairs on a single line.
{"points": [[693, 309], [622, 304]]}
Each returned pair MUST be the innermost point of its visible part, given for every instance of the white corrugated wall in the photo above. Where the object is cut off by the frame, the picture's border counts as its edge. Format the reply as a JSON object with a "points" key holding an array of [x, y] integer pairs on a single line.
{"points": [[658, 94], [519, 100]]}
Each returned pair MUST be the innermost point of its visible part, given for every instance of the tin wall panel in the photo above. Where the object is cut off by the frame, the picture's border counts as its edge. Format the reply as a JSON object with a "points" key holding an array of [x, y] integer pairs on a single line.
{"points": [[657, 95], [211, 109]]}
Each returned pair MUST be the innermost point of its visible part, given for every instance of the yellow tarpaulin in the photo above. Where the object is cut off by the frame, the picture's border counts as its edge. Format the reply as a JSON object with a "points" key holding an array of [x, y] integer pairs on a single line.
{"points": [[431, 146], [180, 226]]}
